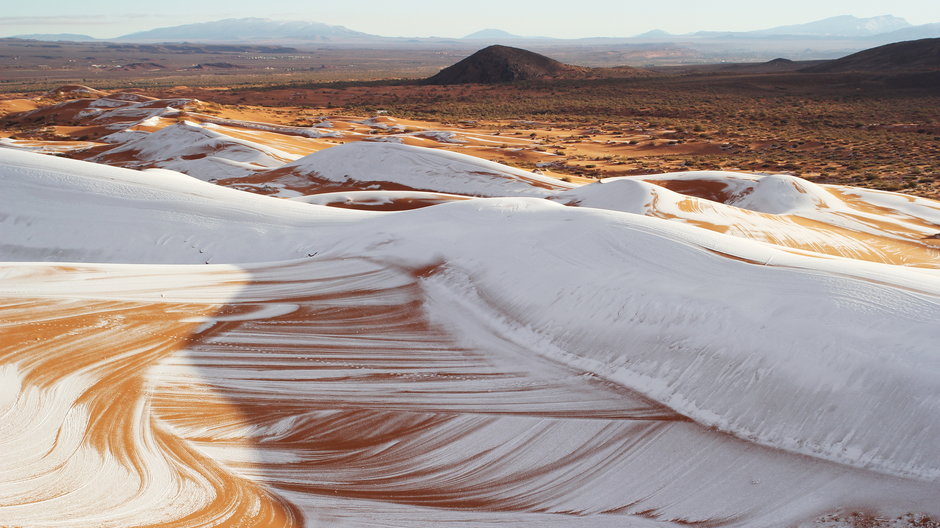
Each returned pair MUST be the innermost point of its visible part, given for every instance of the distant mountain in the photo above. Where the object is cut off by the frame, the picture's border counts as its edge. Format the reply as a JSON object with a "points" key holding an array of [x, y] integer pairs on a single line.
{"points": [[499, 64], [910, 33], [491, 34], [839, 26], [656, 33], [248, 29], [71, 37], [912, 56]]}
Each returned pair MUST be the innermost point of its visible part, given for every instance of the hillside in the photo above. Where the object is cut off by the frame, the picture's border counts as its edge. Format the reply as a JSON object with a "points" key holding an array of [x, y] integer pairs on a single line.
{"points": [[911, 56], [499, 64]]}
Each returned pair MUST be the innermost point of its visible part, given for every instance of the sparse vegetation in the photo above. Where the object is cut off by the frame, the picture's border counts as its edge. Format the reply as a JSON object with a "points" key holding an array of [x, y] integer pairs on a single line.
{"points": [[876, 136], [868, 130]]}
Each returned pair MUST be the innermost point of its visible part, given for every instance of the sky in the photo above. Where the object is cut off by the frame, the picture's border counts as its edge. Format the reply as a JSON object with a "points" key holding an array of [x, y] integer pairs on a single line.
{"points": [[443, 18]]}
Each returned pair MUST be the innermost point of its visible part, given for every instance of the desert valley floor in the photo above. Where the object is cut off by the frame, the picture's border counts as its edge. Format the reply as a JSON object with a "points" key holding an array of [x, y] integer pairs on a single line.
{"points": [[210, 320]]}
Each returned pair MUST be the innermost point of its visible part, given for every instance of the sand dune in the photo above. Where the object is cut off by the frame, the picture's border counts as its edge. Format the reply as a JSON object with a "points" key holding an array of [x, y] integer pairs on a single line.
{"points": [[478, 345], [370, 165], [779, 209], [197, 149]]}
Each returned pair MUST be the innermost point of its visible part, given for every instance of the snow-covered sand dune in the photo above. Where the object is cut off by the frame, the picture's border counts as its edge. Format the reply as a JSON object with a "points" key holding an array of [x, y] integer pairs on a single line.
{"points": [[198, 149], [794, 213], [701, 348], [371, 165]]}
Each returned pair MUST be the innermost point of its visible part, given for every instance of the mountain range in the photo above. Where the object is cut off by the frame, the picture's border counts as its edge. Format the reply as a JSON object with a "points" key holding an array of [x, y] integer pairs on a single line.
{"points": [[879, 29], [70, 37], [248, 29], [841, 26]]}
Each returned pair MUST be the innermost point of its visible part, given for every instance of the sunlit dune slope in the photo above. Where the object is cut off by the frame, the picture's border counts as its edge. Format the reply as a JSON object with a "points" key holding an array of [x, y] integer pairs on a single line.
{"points": [[367, 165], [782, 210], [65, 210], [476, 346], [198, 149]]}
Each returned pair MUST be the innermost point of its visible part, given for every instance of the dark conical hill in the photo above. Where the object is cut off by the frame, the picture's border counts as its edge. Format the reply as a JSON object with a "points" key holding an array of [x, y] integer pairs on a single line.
{"points": [[500, 64]]}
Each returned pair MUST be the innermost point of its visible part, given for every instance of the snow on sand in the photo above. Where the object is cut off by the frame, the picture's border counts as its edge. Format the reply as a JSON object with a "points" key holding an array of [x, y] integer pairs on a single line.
{"points": [[534, 363]]}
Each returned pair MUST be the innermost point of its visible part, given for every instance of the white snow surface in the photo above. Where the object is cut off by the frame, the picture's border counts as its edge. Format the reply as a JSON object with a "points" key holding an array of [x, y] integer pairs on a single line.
{"points": [[770, 193], [199, 151], [624, 194], [423, 169], [316, 131], [908, 205], [59, 209], [120, 112], [44, 147], [374, 197]]}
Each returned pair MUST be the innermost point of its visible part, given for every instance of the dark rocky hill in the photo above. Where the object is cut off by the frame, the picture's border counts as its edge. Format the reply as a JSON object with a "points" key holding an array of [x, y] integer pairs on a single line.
{"points": [[499, 64], [910, 56]]}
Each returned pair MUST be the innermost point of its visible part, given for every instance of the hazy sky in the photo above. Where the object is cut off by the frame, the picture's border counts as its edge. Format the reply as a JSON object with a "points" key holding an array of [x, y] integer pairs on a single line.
{"points": [[451, 18]]}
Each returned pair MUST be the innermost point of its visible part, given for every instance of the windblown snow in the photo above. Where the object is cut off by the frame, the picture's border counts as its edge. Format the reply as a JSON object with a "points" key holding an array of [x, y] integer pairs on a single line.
{"points": [[433, 339]]}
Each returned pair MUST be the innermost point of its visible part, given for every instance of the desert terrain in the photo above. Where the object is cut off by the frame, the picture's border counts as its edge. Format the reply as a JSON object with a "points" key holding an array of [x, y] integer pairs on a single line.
{"points": [[876, 128], [653, 299]]}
